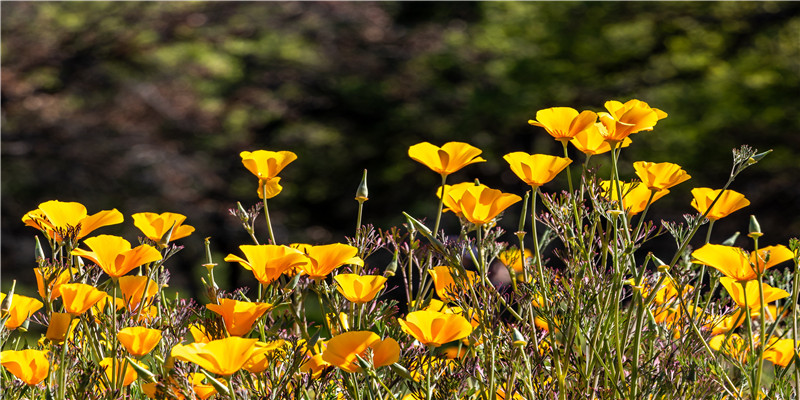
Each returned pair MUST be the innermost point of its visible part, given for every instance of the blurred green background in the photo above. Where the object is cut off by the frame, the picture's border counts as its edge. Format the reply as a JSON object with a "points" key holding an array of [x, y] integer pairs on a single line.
{"points": [[145, 106]]}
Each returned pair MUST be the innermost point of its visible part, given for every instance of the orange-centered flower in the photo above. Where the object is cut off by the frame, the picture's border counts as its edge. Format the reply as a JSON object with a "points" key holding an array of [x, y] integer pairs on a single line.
{"points": [[324, 259], [563, 123], [30, 366], [434, 328], [79, 297], [622, 120], [729, 202], [660, 176], [445, 160], [634, 195], [139, 340], [445, 284], [359, 289], [736, 263], [239, 316], [751, 293], [480, 204], [132, 288], [536, 169], [342, 350], [155, 226], [58, 217], [53, 282], [268, 261], [115, 256], [20, 309], [221, 357], [591, 142]]}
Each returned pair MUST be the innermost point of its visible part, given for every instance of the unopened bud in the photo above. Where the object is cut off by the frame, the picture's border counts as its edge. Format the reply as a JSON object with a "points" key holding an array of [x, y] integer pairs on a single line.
{"points": [[242, 213], [392, 267], [519, 340], [755, 228], [756, 158], [362, 194], [731, 240], [521, 226], [38, 250], [663, 268]]}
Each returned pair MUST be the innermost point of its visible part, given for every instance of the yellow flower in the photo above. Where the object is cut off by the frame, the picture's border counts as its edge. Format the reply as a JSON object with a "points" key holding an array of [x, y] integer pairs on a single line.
{"points": [[60, 326], [200, 333], [20, 309], [736, 263], [199, 387], [129, 376], [58, 217], [434, 328], [668, 292], [30, 366], [342, 350], [266, 164], [139, 340], [536, 169], [79, 297], [623, 120], [53, 282], [445, 284], [115, 256], [239, 316], [729, 202], [563, 123], [445, 160], [480, 204], [132, 288], [260, 361], [660, 176], [359, 289], [221, 357], [634, 195], [324, 259], [155, 226], [453, 192], [752, 294], [315, 365], [591, 142], [274, 188], [512, 258], [780, 352], [268, 261], [720, 325], [735, 347]]}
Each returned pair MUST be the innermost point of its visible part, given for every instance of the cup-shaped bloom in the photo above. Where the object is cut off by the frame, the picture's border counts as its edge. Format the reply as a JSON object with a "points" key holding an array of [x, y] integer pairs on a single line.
{"points": [[20, 309], [780, 352], [454, 192], [591, 142], [132, 288], [729, 202], [434, 328], [343, 349], [155, 226], [514, 258], [622, 120], [266, 164], [139, 340], [59, 217], [324, 259], [359, 289], [660, 176], [445, 160], [268, 261], [79, 297], [751, 292], [735, 263], [221, 357], [30, 366], [634, 195], [445, 284], [120, 368], [115, 256], [239, 316], [54, 281], [563, 123], [536, 169], [199, 387], [480, 204], [266, 350], [59, 327]]}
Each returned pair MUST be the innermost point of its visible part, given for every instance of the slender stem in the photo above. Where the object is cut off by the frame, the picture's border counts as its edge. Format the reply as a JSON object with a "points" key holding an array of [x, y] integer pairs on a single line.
{"points": [[537, 253], [358, 220], [795, 333], [266, 214], [231, 389], [763, 319], [441, 205]]}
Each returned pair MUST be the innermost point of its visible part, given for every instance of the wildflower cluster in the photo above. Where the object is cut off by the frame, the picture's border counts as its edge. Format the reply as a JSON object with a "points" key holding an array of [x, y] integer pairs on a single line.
{"points": [[584, 312]]}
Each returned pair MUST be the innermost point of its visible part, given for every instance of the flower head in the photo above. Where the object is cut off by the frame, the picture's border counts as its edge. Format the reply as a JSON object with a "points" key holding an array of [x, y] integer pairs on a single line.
{"points": [[781, 352], [735, 263], [343, 349], [155, 226], [634, 195], [445, 160], [115, 256], [512, 258], [536, 169], [563, 123], [444, 282], [622, 120], [729, 202], [359, 289], [60, 326], [239, 316], [266, 164], [54, 282], [139, 340], [58, 218], [20, 309], [132, 288], [79, 297], [265, 352], [324, 259], [120, 368], [268, 261], [480, 204], [751, 292], [591, 142], [30, 366], [660, 176], [434, 328], [221, 357]]}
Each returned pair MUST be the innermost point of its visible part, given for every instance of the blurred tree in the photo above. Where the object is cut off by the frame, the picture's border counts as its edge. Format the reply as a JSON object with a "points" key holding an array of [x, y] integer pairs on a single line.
{"points": [[145, 106]]}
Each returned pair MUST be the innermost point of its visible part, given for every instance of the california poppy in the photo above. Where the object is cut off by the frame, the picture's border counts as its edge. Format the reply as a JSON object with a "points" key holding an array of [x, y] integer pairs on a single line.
{"points": [[751, 292], [139, 340], [155, 226], [266, 164], [79, 297], [266, 350], [121, 368], [359, 289], [20, 309], [221, 357], [239, 316], [563, 123], [268, 261], [480, 204], [58, 217], [634, 195], [660, 176], [54, 281], [324, 259], [729, 202], [591, 142], [59, 326], [735, 263], [342, 350], [132, 288], [30, 366], [536, 169], [781, 352], [445, 160], [434, 328], [445, 284], [622, 120], [115, 256]]}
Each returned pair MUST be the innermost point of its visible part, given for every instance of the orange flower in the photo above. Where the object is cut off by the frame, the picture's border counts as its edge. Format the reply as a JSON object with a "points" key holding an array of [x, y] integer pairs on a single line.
{"points": [[729, 202], [260, 361], [324, 259], [20, 309], [59, 327], [200, 333], [30, 366], [591, 142], [634, 195], [660, 176], [274, 188], [53, 282], [445, 160], [480, 204], [563, 123], [268, 261], [751, 293], [57, 217], [536, 169], [130, 374], [512, 258], [359, 289], [780, 352], [221, 357], [453, 192], [199, 387], [342, 350], [445, 284], [79, 297], [155, 226], [735, 347], [265, 164], [114, 254], [434, 328], [736, 263], [132, 288], [239, 316], [139, 340], [623, 120]]}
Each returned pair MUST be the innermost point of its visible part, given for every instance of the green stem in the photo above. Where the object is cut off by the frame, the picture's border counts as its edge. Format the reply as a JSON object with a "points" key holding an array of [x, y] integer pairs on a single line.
{"points": [[537, 253], [266, 214], [441, 205], [795, 333], [763, 319], [231, 389]]}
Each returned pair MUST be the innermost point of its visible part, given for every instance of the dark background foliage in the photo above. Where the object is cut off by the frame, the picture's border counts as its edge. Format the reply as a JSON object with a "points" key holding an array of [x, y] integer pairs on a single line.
{"points": [[146, 106]]}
